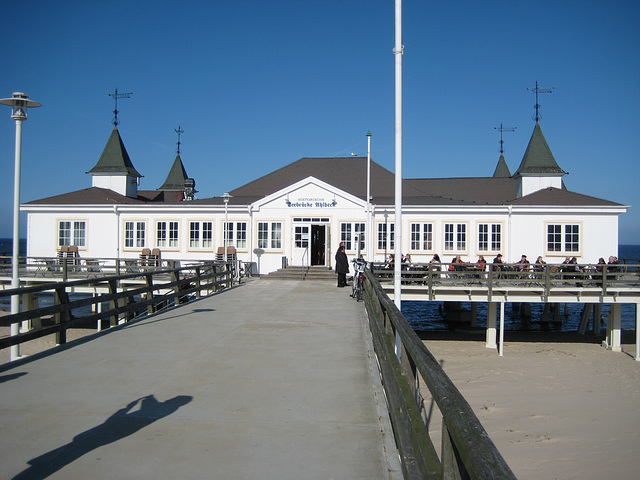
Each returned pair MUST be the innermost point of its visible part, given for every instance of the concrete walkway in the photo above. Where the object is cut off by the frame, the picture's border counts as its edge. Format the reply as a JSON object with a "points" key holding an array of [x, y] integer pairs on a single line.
{"points": [[271, 380]]}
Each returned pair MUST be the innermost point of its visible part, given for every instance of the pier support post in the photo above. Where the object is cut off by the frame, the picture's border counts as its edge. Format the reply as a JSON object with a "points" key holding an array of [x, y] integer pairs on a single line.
{"points": [[597, 318], [474, 314], [637, 332], [492, 310], [557, 316], [614, 324], [501, 346]]}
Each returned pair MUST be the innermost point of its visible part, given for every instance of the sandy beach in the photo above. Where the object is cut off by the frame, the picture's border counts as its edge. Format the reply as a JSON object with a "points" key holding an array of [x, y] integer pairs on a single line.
{"points": [[563, 409]]}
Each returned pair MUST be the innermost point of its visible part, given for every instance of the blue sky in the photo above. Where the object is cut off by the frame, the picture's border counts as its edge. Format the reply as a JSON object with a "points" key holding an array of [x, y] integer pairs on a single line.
{"points": [[256, 85]]}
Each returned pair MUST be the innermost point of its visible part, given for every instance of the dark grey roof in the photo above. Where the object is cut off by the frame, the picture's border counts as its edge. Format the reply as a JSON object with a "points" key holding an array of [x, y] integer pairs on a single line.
{"points": [[469, 190], [502, 169], [538, 159], [349, 174], [557, 196], [104, 196], [114, 159], [177, 176]]}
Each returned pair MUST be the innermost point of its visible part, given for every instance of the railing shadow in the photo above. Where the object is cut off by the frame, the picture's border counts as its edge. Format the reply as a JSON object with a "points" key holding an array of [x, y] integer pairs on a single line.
{"points": [[121, 424]]}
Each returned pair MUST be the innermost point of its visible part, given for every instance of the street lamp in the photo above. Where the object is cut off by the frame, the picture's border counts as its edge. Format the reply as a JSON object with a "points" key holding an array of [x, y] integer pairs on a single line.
{"points": [[368, 229], [225, 233], [19, 102]]}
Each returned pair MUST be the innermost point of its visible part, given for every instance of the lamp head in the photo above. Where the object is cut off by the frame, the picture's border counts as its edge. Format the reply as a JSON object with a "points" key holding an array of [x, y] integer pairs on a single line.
{"points": [[19, 102]]}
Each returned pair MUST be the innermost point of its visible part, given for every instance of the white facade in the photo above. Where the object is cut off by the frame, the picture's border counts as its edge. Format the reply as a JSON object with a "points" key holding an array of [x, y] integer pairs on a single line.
{"points": [[304, 223]]}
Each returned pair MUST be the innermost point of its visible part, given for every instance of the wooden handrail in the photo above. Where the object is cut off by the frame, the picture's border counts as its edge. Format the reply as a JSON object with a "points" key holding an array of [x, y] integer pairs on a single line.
{"points": [[467, 450], [176, 282]]}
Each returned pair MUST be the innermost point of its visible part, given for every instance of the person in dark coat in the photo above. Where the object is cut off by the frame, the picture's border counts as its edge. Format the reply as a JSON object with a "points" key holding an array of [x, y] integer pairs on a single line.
{"points": [[342, 266]]}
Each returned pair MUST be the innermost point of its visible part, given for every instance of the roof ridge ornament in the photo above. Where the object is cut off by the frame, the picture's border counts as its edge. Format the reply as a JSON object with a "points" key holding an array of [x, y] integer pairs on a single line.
{"points": [[116, 96], [179, 131], [504, 129], [538, 90]]}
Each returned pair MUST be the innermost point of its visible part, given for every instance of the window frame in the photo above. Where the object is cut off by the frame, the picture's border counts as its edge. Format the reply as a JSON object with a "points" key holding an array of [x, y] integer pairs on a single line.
{"points": [[76, 232]]}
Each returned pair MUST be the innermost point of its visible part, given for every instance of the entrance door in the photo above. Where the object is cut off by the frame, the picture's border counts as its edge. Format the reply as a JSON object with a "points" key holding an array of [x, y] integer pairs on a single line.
{"points": [[318, 244], [301, 246]]}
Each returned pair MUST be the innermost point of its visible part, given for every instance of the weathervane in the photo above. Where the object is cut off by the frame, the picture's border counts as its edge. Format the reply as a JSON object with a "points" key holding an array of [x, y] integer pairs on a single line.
{"points": [[504, 129], [179, 131], [538, 90], [116, 96]]}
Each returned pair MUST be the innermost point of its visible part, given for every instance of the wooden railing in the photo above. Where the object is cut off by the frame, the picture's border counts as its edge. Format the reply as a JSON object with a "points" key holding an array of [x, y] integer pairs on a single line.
{"points": [[127, 295], [405, 365], [601, 280]]}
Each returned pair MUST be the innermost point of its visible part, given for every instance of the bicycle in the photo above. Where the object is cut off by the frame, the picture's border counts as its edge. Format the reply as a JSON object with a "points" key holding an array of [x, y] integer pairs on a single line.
{"points": [[358, 279]]}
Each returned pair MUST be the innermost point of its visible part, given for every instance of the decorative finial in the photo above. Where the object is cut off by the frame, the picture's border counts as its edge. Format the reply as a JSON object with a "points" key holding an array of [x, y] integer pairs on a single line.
{"points": [[504, 129], [116, 96], [538, 90], [179, 131]]}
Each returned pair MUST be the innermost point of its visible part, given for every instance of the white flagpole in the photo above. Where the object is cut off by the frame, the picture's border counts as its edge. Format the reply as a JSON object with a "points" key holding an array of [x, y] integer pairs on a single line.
{"points": [[398, 52]]}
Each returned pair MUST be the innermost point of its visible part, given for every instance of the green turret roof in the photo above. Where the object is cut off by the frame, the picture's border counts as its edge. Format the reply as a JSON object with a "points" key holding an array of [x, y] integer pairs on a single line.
{"points": [[177, 176], [114, 159], [538, 159], [502, 169]]}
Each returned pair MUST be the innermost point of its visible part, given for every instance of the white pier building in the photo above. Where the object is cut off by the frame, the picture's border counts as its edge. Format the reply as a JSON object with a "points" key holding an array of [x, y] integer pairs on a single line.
{"points": [[299, 213]]}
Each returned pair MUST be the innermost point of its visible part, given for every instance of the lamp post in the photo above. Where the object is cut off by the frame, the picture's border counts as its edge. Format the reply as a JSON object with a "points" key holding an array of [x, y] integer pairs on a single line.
{"points": [[225, 230], [369, 230], [19, 102]]}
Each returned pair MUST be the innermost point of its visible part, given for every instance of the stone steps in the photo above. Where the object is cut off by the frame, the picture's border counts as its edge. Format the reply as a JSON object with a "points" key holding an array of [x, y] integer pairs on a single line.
{"points": [[303, 273]]}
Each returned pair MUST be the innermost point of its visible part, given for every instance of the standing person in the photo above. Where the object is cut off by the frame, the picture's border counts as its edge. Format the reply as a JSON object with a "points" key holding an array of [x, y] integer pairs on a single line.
{"points": [[342, 266]]}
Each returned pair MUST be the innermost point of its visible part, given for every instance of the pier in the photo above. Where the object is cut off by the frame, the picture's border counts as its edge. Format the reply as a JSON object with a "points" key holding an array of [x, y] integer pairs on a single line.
{"points": [[269, 380]]}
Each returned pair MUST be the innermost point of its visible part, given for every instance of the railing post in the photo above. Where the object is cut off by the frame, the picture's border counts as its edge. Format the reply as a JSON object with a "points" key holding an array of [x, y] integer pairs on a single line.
{"points": [[61, 298], [113, 289], [450, 462], [197, 282], [150, 307]]}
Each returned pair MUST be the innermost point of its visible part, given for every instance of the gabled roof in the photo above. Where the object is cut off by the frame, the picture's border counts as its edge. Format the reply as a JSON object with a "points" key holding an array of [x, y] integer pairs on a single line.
{"points": [[177, 176], [502, 169], [538, 159], [114, 159]]}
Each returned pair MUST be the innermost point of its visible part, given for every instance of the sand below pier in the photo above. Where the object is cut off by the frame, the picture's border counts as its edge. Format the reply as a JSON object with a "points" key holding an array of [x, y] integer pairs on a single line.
{"points": [[556, 406]]}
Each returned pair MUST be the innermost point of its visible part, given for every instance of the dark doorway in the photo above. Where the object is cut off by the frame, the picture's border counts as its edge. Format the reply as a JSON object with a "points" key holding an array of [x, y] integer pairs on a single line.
{"points": [[318, 244]]}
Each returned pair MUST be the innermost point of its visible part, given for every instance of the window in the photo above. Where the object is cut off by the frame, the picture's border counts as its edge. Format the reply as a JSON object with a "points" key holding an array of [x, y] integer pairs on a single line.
{"points": [[235, 234], [200, 234], [167, 234], [421, 236], [302, 236], [350, 233], [134, 234], [72, 233], [455, 237], [563, 238], [489, 237], [173, 234], [270, 235], [386, 241]]}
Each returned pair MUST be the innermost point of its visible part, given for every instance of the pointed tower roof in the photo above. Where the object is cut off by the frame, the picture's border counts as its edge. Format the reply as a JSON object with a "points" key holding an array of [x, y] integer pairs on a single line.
{"points": [[538, 160], [114, 159], [177, 176], [502, 169]]}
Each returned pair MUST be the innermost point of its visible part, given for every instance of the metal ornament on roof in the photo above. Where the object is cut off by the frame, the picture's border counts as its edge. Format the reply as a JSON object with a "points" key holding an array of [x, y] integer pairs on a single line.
{"points": [[179, 131], [538, 90], [502, 129], [116, 96]]}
